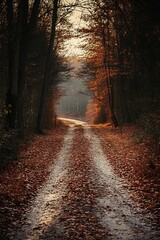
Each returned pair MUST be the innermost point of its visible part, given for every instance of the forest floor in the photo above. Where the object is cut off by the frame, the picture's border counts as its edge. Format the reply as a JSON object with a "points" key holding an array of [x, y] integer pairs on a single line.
{"points": [[82, 183]]}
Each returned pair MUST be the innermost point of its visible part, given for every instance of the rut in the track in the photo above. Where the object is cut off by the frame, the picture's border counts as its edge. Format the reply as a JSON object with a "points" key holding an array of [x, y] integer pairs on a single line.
{"points": [[83, 198], [47, 205], [114, 207], [79, 217]]}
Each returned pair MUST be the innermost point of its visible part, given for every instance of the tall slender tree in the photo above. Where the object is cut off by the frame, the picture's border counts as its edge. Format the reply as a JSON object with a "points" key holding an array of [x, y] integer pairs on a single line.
{"points": [[19, 36], [45, 86]]}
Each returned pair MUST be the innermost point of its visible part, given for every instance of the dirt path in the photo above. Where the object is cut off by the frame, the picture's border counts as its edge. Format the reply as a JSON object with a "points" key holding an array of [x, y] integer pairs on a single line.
{"points": [[83, 198], [116, 210], [47, 204]]}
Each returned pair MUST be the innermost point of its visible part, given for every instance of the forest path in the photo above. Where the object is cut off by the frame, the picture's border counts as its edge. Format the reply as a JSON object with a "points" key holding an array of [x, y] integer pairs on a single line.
{"points": [[83, 198]]}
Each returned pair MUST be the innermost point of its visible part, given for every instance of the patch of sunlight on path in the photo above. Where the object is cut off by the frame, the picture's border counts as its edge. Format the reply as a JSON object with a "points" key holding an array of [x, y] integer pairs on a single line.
{"points": [[47, 204], [115, 208]]}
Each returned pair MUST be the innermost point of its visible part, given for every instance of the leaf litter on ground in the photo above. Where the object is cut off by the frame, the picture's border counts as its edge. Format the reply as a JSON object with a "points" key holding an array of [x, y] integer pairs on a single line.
{"points": [[20, 182], [131, 161]]}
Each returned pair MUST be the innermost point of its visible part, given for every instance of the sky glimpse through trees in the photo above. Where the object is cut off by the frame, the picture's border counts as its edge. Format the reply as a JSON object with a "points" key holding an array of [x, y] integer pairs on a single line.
{"points": [[117, 42]]}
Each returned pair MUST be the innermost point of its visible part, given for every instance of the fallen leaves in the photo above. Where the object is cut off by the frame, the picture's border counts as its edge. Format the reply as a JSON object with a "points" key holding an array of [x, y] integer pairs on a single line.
{"points": [[25, 176], [21, 180], [79, 217], [130, 160]]}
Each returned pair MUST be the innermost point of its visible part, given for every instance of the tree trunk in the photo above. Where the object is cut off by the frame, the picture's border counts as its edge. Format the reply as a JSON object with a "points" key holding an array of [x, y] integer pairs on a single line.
{"points": [[22, 63], [21, 86], [18, 43], [108, 80], [120, 78], [41, 110], [13, 50], [26, 33]]}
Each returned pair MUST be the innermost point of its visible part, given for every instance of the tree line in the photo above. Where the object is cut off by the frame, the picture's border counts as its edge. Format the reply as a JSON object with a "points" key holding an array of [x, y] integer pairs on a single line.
{"points": [[123, 57], [31, 37]]}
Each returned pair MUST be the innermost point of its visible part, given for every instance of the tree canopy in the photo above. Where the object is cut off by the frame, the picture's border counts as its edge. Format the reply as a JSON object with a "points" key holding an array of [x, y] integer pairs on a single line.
{"points": [[121, 56]]}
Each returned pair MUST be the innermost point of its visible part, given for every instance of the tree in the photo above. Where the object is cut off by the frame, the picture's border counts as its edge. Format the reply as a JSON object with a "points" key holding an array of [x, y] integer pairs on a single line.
{"points": [[47, 65], [20, 31], [125, 34]]}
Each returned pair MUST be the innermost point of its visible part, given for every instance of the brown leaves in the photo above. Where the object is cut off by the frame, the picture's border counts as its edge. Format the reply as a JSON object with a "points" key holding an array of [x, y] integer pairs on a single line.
{"points": [[79, 217], [21, 181], [131, 161]]}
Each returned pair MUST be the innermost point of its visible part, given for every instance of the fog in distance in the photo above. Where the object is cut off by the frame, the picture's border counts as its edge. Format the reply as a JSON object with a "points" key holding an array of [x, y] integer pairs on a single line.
{"points": [[75, 94]]}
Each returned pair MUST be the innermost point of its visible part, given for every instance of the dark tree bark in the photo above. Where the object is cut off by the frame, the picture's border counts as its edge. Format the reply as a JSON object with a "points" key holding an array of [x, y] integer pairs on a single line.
{"points": [[26, 33], [41, 110], [110, 88], [18, 40], [22, 62], [13, 55], [125, 116], [10, 118]]}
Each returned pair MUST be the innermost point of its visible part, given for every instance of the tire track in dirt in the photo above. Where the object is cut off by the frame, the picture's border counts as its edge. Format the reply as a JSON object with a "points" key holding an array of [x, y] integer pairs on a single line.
{"points": [[115, 208], [83, 199], [79, 217], [47, 204]]}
